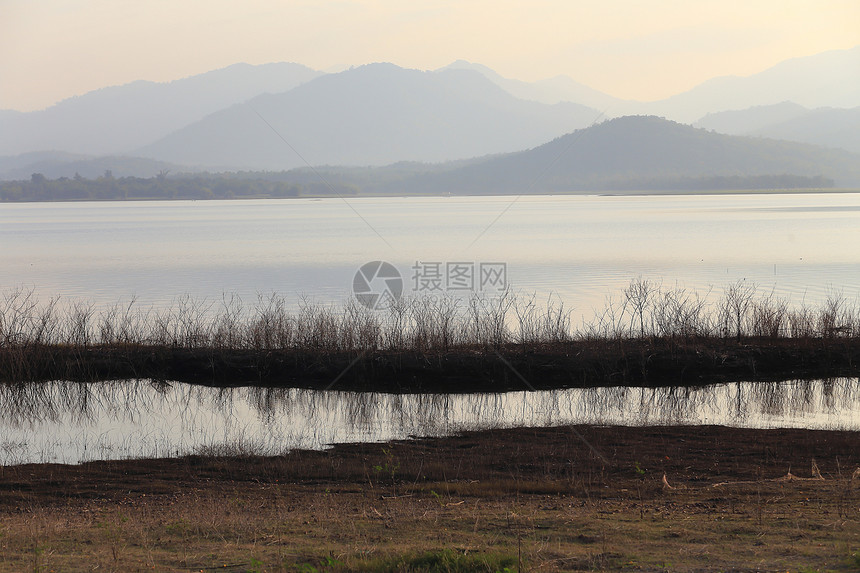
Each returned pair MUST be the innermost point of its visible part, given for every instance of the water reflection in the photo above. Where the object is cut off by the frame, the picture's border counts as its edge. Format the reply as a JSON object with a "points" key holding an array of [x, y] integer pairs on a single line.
{"points": [[72, 422]]}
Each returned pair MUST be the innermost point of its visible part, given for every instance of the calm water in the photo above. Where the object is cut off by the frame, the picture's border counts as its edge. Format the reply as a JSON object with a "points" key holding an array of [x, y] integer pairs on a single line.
{"points": [[581, 248], [68, 422]]}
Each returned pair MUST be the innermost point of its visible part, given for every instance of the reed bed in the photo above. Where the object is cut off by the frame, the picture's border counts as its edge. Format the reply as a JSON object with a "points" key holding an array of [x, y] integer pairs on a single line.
{"points": [[52, 338]]}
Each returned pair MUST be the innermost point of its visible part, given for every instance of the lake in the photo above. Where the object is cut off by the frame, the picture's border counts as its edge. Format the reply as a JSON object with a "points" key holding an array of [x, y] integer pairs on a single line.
{"points": [[801, 246], [580, 249]]}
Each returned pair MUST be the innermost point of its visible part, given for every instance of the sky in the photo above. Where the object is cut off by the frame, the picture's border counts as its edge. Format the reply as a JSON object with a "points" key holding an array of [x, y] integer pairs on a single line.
{"points": [[642, 50]]}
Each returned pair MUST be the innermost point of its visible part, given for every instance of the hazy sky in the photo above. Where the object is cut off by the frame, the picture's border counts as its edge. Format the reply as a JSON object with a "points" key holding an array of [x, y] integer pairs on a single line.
{"points": [[52, 49]]}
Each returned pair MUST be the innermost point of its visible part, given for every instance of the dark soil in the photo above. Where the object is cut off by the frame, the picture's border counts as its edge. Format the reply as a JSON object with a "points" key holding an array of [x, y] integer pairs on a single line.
{"points": [[556, 499], [605, 458], [632, 362]]}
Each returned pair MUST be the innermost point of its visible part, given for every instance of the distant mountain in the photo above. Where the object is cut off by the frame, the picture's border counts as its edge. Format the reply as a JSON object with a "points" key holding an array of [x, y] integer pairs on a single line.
{"points": [[430, 116], [56, 164], [828, 79], [370, 115], [121, 118], [828, 127], [824, 126], [20, 164], [745, 121], [644, 152], [550, 91]]}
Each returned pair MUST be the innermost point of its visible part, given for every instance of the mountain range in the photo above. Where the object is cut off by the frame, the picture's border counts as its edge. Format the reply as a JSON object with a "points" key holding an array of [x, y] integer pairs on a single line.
{"points": [[828, 79], [281, 116], [118, 119], [371, 115]]}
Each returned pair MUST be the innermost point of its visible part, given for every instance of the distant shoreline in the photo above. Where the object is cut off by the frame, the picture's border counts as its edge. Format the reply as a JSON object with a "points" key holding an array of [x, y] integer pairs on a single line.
{"points": [[601, 193]]}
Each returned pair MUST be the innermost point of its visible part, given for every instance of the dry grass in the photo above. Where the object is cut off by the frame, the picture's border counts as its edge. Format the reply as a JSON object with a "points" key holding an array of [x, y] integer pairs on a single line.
{"points": [[645, 310], [289, 528], [652, 332]]}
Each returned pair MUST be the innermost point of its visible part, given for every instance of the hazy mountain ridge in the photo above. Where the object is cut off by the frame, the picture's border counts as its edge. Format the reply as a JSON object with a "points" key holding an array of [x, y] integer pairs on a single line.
{"points": [[642, 152], [550, 91], [370, 115], [118, 119], [769, 99], [9, 163], [54, 164], [820, 80], [827, 127], [745, 121]]}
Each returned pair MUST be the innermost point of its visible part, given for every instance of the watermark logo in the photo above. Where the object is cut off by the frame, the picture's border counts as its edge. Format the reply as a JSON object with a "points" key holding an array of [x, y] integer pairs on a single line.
{"points": [[459, 276], [377, 285]]}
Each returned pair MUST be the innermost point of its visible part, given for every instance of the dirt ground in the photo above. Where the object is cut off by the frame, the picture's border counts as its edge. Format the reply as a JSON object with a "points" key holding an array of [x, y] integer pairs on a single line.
{"points": [[549, 499]]}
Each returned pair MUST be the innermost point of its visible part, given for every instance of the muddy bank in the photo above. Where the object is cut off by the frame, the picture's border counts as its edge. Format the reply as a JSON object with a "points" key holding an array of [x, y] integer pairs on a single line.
{"points": [[570, 459], [558, 499]]}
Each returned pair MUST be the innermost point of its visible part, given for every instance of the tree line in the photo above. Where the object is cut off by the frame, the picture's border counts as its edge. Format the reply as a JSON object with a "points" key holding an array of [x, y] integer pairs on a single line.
{"points": [[382, 181], [108, 187]]}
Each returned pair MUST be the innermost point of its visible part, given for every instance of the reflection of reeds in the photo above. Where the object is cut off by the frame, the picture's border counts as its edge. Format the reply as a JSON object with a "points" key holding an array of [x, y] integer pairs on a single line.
{"points": [[649, 325], [173, 419]]}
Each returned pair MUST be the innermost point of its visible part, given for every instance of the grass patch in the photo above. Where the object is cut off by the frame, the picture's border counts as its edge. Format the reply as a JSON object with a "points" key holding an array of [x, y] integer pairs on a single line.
{"points": [[444, 561]]}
